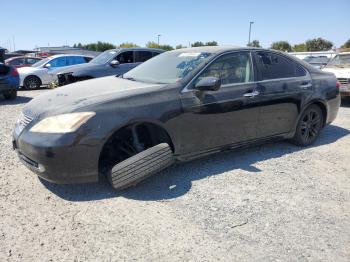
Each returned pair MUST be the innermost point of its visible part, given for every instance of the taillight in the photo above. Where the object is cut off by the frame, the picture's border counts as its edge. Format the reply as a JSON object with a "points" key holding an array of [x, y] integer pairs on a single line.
{"points": [[338, 84], [14, 72]]}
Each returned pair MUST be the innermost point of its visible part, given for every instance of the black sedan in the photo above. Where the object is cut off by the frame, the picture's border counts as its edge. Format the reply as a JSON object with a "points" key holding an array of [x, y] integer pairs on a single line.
{"points": [[177, 106]]}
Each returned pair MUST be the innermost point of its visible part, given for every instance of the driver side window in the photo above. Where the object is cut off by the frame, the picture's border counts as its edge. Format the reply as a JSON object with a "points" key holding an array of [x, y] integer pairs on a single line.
{"points": [[231, 69], [126, 57], [58, 62]]}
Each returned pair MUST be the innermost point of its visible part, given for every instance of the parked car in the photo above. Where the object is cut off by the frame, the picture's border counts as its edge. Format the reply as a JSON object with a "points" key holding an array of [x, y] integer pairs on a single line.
{"points": [[39, 73], [22, 61], [9, 81], [110, 62], [317, 61], [177, 106], [340, 66]]}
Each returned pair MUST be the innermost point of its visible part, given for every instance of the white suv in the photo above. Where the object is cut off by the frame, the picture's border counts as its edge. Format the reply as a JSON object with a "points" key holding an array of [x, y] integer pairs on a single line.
{"points": [[340, 66], [39, 74]]}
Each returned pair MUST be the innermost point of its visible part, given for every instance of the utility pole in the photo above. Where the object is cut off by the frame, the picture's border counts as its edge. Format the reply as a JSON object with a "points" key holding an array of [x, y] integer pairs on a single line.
{"points": [[250, 30], [158, 38]]}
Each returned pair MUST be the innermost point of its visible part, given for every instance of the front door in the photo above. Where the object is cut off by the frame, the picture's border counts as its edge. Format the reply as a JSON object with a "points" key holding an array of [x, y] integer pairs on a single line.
{"points": [[215, 119]]}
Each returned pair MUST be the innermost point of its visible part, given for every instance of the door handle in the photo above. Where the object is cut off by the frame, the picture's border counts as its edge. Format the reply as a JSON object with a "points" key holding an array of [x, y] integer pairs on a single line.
{"points": [[252, 94], [305, 85]]}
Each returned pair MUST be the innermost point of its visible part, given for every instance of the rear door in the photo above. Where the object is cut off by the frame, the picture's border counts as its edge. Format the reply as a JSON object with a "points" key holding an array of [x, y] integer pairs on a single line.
{"points": [[142, 56], [282, 84]]}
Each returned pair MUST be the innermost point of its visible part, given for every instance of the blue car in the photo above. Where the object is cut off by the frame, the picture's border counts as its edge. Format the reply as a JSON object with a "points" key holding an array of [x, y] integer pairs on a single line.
{"points": [[9, 81]]}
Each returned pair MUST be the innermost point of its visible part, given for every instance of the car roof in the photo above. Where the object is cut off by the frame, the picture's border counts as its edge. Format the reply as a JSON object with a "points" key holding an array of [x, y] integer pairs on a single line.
{"points": [[136, 49], [15, 57], [64, 55]]}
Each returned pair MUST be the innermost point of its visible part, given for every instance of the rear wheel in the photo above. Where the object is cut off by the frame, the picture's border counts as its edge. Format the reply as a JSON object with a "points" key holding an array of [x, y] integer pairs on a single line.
{"points": [[11, 95], [309, 126], [32, 82]]}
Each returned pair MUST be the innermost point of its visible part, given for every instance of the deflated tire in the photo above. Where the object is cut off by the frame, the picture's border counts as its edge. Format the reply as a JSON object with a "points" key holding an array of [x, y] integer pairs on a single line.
{"points": [[140, 166]]}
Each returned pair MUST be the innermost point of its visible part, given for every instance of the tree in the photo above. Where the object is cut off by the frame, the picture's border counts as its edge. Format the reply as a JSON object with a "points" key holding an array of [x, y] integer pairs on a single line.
{"points": [[346, 44], [318, 44], [99, 46], [180, 46], [152, 44], [197, 44], [299, 47], [254, 43], [127, 45], [282, 46], [166, 47], [211, 43]]}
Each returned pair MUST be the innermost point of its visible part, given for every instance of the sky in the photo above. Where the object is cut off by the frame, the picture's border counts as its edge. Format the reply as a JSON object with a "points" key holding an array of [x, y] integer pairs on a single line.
{"points": [[35, 23]]}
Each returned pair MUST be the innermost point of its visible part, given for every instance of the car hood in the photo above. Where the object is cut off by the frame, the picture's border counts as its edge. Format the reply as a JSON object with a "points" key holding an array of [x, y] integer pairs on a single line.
{"points": [[76, 68], [76, 96], [339, 72]]}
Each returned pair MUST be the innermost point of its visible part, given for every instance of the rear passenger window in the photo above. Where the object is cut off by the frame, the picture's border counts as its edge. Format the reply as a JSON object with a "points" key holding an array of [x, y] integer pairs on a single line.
{"points": [[74, 60], [155, 54], [142, 56], [126, 57], [273, 66], [18, 61]]}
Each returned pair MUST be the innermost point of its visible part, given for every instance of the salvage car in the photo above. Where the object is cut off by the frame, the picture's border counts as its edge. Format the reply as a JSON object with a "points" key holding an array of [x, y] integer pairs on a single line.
{"points": [[317, 61], [180, 105], [39, 74], [22, 61], [9, 81], [110, 62], [340, 66]]}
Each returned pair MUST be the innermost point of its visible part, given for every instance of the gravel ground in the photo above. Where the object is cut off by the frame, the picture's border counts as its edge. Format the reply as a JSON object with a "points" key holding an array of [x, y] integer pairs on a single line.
{"points": [[276, 202]]}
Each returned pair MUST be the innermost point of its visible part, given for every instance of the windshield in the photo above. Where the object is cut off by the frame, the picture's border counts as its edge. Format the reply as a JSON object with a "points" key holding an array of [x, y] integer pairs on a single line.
{"points": [[339, 61], [41, 62], [104, 57], [316, 59], [167, 68]]}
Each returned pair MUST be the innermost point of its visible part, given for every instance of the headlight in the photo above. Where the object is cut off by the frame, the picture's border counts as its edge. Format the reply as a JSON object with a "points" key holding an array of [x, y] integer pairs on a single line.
{"points": [[65, 123]]}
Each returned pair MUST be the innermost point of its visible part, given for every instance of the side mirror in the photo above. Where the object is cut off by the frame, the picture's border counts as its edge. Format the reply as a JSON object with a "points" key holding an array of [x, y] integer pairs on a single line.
{"points": [[208, 84], [114, 63], [47, 66]]}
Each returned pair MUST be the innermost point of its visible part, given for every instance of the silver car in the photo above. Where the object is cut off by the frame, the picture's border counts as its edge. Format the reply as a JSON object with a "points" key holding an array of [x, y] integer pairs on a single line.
{"points": [[39, 74]]}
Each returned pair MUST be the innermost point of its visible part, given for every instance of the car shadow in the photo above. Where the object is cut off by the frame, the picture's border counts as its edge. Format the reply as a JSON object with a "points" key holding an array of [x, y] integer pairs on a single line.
{"points": [[345, 102], [177, 180], [17, 101]]}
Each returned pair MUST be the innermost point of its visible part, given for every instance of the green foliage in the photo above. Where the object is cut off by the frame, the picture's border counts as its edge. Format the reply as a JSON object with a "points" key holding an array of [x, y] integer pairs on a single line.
{"points": [[299, 47], [199, 43], [254, 43], [282, 46], [318, 44], [152, 44], [211, 43], [127, 45], [99, 46], [180, 46], [346, 44]]}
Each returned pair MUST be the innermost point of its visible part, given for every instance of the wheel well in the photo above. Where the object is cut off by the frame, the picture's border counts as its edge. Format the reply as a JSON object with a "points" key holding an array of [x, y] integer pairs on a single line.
{"points": [[324, 111], [130, 140], [32, 76]]}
